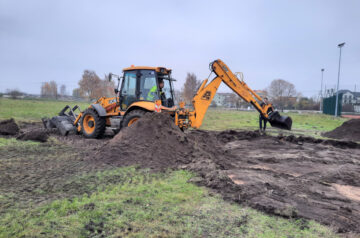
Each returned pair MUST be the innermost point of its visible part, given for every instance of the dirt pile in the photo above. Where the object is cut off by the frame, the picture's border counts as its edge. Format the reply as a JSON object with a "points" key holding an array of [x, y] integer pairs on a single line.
{"points": [[349, 130], [40, 135], [153, 142], [9, 127]]}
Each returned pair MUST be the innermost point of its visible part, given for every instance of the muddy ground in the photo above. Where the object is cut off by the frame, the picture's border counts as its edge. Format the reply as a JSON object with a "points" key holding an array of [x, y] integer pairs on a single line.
{"points": [[286, 176]]}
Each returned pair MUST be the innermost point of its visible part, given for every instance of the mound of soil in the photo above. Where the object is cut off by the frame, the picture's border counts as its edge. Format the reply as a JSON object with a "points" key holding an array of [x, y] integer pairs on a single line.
{"points": [[153, 142], [349, 130], [9, 127], [40, 135]]}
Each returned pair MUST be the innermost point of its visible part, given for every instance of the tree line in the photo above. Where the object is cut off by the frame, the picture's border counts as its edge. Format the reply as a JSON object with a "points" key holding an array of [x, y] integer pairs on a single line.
{"points": [[90, 87]]}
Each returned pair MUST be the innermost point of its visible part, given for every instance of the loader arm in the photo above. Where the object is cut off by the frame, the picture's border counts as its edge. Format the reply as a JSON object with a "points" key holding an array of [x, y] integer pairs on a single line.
{"points": [[239, 87], [206, 93]]}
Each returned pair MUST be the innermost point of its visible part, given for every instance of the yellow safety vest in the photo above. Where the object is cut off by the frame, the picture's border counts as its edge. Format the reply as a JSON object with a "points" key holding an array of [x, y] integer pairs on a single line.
{"points": [[152, 93]]}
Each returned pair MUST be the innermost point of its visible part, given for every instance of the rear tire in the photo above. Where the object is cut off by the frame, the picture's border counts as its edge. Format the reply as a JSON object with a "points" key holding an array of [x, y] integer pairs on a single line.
{"points": [[92, 125], [132, 117]]}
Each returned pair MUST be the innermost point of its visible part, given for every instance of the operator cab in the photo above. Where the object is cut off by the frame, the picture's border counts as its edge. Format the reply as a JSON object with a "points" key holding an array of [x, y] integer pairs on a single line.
{"points": [[143, 84]]}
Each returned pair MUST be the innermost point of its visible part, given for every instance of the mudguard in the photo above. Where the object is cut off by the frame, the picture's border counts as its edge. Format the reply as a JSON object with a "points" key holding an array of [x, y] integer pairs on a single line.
{"points": [[99, 109]]}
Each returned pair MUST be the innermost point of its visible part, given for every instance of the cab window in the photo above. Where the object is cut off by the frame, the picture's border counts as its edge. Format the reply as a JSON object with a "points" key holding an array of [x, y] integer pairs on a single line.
{"points": [[148, 85], [128, 91], [167, 88]]}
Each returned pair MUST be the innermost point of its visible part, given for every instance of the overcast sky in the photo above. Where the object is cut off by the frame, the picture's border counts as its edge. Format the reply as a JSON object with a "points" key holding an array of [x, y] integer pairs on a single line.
{"points": [[292, 40]]}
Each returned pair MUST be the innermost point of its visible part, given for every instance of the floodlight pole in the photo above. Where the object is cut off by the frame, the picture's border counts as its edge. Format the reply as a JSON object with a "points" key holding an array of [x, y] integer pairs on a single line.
{"points": [[321, 91], [337, 87]]}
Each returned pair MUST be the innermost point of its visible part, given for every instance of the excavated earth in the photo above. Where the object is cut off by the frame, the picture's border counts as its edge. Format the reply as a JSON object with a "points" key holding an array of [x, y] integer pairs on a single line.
{"points": [[298, 177], [9, 127], [349, 130], [294, 177]]}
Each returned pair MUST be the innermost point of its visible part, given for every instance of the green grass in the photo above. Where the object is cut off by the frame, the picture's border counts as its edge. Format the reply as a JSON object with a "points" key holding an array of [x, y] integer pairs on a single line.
{"points": [[14, 142], [33, 110], [150, 205], [303, 123]]}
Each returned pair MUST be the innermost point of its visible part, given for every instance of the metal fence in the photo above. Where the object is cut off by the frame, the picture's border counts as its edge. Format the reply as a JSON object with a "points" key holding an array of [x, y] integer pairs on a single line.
{"points": [[329, 105]]}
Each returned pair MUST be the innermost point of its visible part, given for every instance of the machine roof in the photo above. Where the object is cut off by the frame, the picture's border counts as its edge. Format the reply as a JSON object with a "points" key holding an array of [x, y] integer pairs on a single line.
{"points": [[157, 69]]}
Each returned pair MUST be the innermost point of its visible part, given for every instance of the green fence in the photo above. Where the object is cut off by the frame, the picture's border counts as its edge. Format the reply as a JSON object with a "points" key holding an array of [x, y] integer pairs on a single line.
{"points": [[329, 105]]}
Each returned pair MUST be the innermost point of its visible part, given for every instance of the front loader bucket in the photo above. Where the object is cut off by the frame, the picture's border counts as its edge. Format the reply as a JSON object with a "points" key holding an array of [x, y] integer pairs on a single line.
{"points": [[282, 122], [64, 122]]}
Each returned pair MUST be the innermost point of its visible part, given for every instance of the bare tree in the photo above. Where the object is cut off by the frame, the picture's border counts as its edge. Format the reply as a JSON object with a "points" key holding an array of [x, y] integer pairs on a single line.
{"points": [[63, 90], [49, 89], [282, 93], [190, 87], [45, 90], [90, 85], [108, 88], [76, 93], [14, 93], [54, 89], [305, 103]]}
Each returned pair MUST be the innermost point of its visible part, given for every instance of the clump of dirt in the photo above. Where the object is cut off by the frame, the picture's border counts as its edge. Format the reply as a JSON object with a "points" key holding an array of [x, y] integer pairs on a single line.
{"points": [[40, 135], [9, 127], [349, 130]]}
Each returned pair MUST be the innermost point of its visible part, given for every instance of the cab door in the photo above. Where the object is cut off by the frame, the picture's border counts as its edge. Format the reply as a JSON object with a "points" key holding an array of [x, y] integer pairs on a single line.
{"points": [[148, 87], [129, 91]]}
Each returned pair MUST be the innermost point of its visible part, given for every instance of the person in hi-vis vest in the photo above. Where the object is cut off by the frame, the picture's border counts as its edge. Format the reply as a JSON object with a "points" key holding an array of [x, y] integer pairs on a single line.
{"points": [[152, 93]]}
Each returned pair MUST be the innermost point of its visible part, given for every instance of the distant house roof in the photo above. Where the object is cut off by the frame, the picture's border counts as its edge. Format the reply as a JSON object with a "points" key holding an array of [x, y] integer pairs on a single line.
{"points": [[356, 94]]}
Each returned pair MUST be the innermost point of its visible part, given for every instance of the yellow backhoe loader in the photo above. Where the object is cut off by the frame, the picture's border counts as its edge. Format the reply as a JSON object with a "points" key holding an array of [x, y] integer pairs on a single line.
{"points": [[150, 89]]}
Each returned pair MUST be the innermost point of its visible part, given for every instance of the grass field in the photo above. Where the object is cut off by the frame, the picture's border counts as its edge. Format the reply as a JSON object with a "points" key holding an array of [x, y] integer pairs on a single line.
{"points": [[136, 203], [33, 110], [310, 124], [143, 204]]}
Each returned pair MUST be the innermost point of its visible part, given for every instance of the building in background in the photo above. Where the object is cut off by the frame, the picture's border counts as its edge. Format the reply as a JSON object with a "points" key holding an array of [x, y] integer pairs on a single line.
{"points": [[350, 101], [232, 100], [350, 97], [225, 100]]}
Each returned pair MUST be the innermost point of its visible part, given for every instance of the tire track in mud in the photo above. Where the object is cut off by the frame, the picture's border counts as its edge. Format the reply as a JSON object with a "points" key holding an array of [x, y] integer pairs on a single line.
{"points": [[305, 184]]}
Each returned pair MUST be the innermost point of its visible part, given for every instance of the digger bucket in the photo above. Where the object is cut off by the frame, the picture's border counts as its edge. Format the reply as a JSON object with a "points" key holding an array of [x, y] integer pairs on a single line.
{"points": [[282, 122], [64, 122]]}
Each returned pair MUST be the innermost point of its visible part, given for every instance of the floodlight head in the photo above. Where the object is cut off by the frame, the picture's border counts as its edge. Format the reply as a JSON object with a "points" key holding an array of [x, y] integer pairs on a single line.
{"points": [[322, 70], [341, 45]]}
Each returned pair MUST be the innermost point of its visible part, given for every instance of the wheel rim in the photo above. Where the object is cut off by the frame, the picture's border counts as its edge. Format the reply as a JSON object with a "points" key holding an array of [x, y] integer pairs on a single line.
{"points": [[132, 121], [89, 124]]}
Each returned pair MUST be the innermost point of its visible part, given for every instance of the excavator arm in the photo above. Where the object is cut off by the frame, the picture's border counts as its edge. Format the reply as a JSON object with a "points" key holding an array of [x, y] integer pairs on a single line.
{"points": [[206, 93]]}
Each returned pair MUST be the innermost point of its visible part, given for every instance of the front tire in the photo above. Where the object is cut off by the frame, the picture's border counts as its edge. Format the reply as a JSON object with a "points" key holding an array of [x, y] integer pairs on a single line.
{"points": [[132, 117], [92, 125]]}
